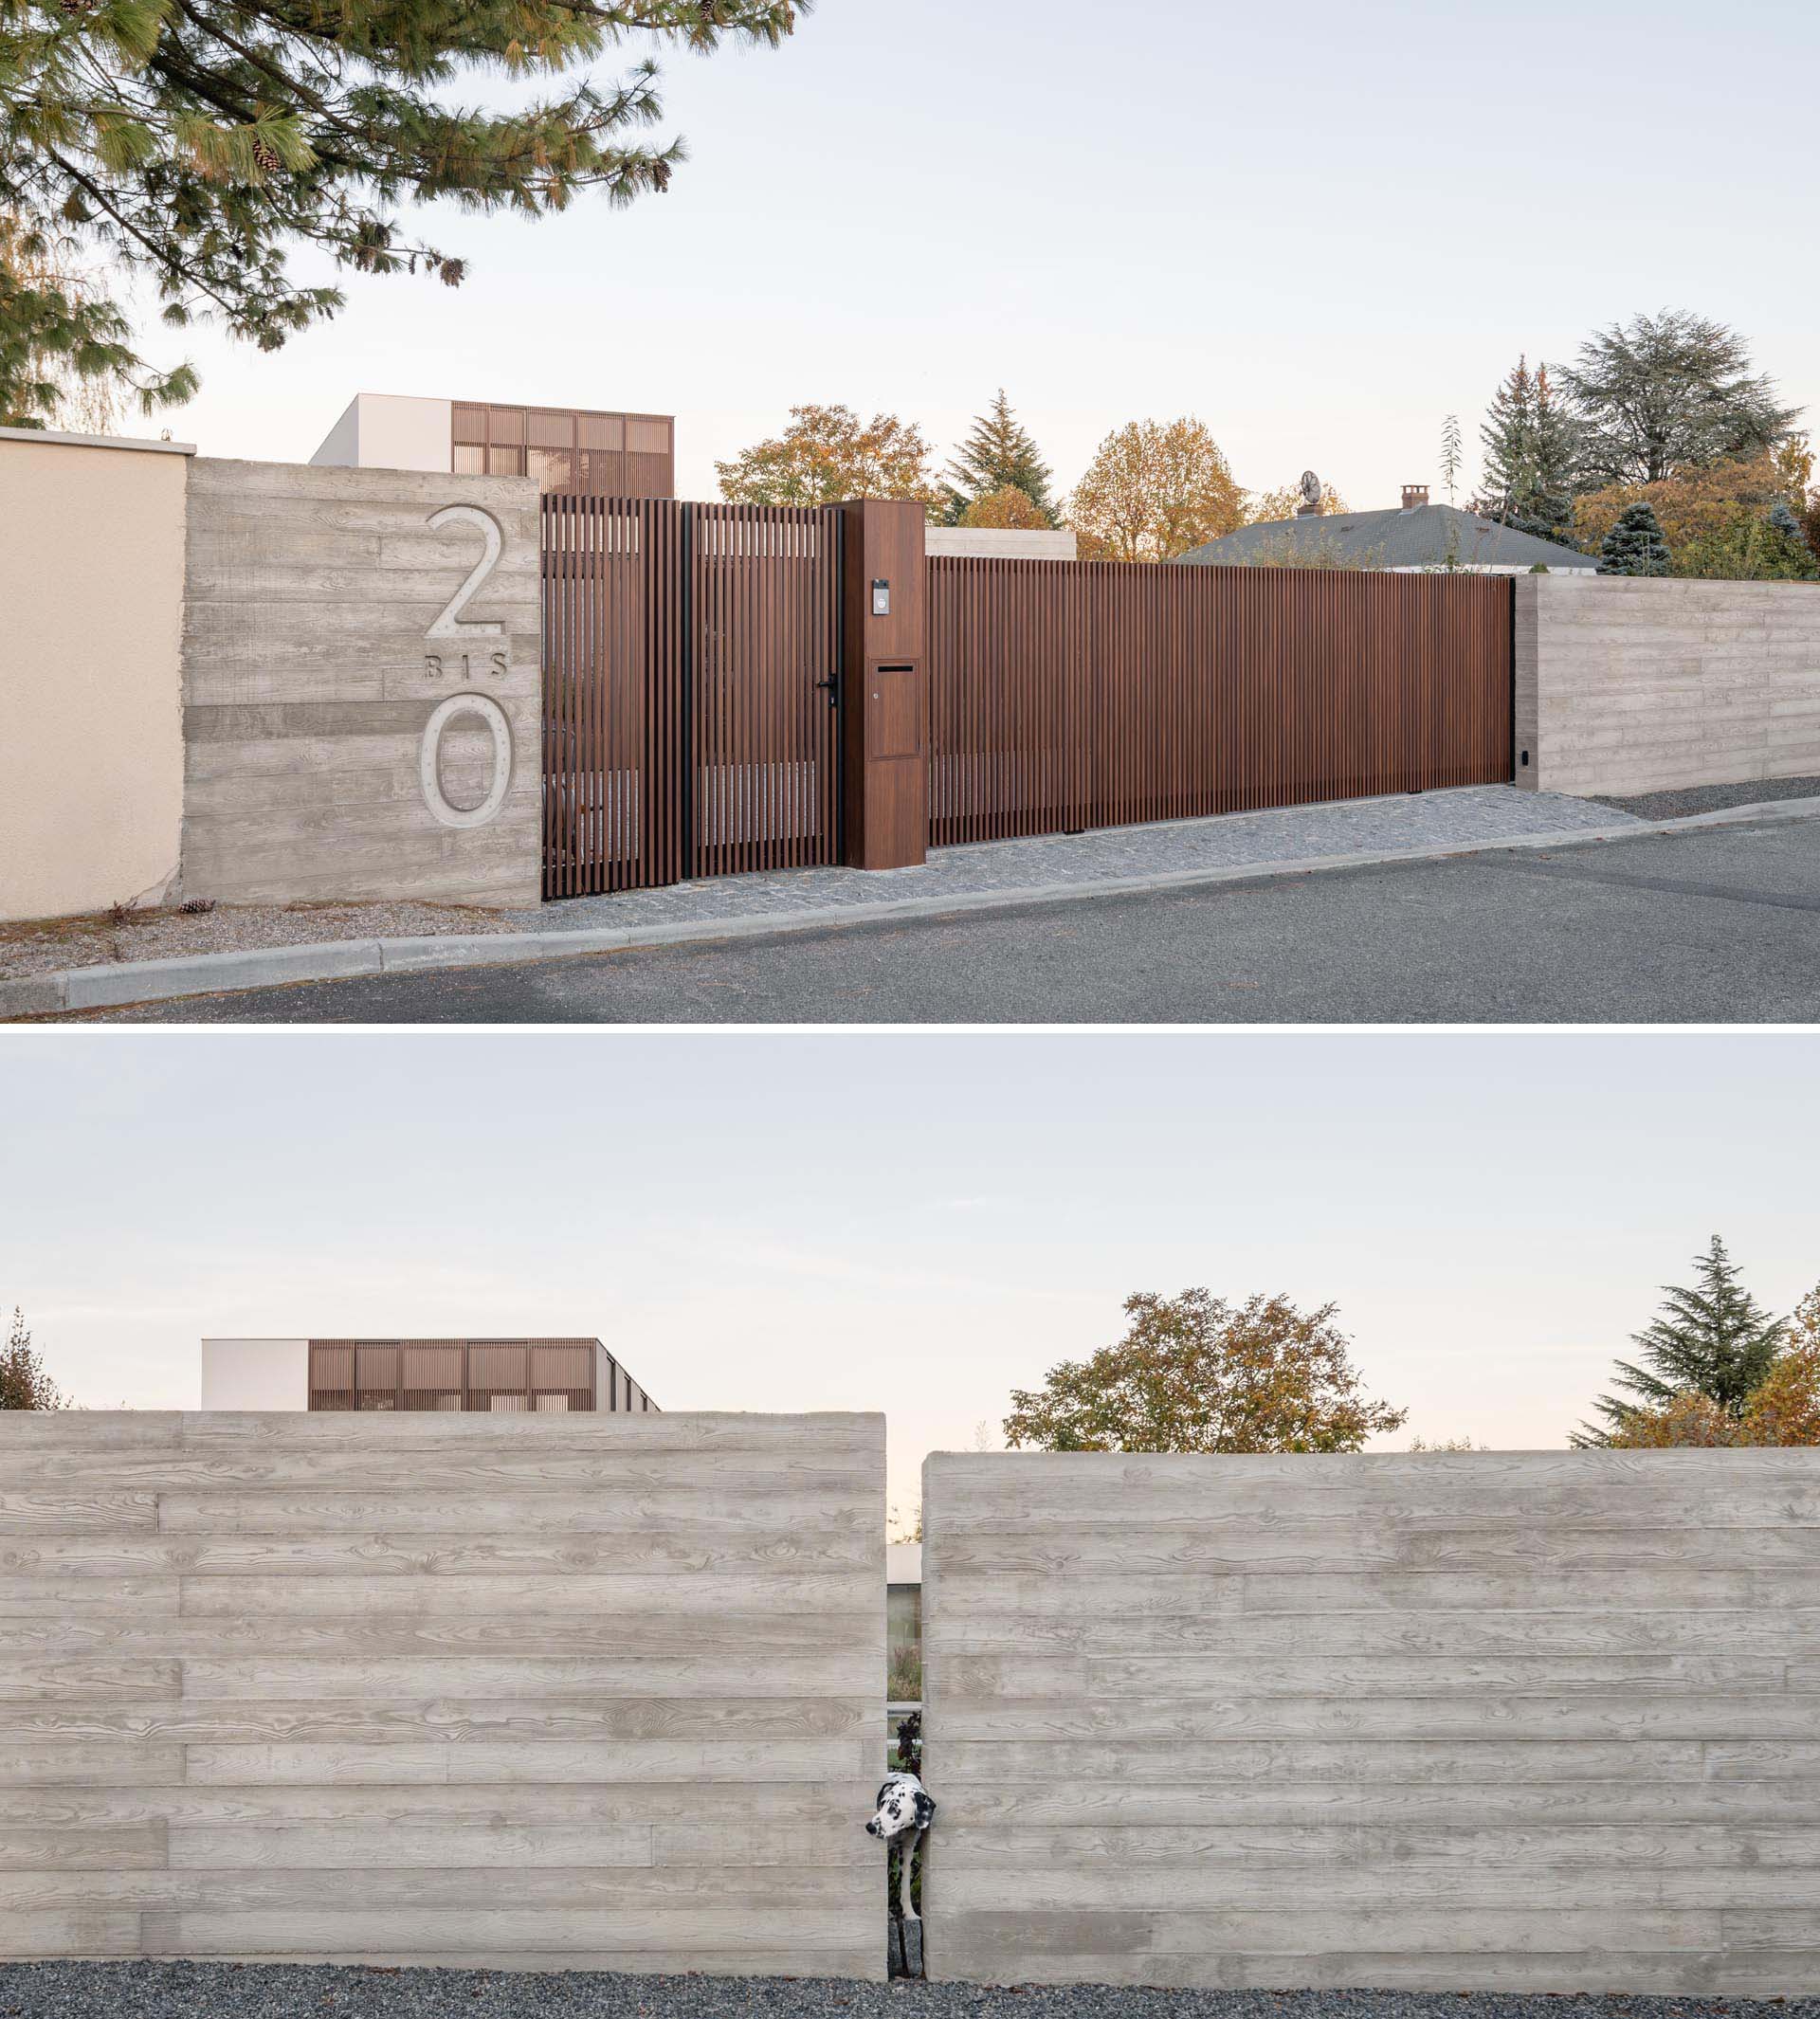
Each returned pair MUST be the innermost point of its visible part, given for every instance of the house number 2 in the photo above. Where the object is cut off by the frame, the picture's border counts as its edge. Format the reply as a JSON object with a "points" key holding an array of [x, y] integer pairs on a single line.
{"points": [[451, 624]]}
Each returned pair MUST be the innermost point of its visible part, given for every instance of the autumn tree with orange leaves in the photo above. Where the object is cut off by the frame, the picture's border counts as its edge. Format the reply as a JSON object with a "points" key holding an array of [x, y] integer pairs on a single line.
{"points": [[1154, 490], [1195, 1373], [1006, 509], [828, 454]]}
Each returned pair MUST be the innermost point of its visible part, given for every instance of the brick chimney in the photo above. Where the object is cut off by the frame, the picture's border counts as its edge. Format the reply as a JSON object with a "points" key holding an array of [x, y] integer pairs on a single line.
{"points": [[1414, 497]]}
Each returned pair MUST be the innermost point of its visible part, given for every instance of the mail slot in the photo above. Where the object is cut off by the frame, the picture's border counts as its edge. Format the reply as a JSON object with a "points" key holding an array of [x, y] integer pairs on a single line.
{"points": [[893, 701]]}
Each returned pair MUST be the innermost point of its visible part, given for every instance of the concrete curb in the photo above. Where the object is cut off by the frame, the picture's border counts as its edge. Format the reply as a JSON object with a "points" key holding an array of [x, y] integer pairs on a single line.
{"points": [[117, 983]]}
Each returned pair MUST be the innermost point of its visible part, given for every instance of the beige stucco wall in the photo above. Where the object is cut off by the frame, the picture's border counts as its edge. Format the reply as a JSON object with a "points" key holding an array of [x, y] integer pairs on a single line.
{"points": [[91, 592], [1634, 686]]}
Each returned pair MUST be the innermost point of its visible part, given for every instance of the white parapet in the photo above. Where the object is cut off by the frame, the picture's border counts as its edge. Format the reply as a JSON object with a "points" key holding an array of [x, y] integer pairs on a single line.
{"points": [[255, 1374], [389, 431]]}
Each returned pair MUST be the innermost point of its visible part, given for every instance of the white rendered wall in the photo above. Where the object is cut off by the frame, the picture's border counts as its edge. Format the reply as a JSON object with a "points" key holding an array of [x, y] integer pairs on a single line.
{"points": [[255, 1374], [389, 431], [91, 701], [405, 434], [340, 447]]}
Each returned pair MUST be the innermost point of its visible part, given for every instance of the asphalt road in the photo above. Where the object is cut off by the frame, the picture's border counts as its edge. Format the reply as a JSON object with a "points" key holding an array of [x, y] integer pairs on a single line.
{"points": [[1712, 925]]}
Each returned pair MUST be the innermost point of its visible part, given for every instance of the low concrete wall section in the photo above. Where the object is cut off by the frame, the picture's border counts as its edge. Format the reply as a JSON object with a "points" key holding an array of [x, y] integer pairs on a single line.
{"points": [[1633, 685], [994, 543], [575, 1692], [1486, 1721]]}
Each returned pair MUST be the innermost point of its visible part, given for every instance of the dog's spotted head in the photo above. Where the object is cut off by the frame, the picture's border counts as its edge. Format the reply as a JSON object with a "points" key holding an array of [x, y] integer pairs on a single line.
{"points": [[904, 1804]]}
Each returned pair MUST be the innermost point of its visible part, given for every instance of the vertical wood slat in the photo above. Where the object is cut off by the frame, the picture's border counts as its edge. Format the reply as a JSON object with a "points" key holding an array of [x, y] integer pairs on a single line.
{"points": [[643, 784], [1066, 695], [766, 596]]}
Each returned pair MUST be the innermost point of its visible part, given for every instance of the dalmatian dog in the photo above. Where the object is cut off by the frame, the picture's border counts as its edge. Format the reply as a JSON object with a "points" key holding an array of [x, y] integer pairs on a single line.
{"points": [[906, 1811]]}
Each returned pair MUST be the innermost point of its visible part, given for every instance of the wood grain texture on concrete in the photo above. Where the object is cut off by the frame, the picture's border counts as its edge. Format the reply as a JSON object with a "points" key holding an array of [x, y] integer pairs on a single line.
{"points": [[595, 1692], [329, 615], [1428, 1722], [1629, 684]]}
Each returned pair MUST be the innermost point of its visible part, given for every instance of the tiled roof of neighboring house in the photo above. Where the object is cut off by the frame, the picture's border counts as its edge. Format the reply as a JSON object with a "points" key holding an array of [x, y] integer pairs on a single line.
{"points": [[1434, 536]]}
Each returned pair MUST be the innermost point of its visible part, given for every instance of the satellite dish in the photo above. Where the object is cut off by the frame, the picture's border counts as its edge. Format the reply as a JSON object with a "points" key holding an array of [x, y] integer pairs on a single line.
{"points": [[1310, 487]]}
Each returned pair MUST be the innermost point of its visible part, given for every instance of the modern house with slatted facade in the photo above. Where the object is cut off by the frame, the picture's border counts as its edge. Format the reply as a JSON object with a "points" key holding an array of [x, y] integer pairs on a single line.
{"points": [[582, 451], [490, 1376]]}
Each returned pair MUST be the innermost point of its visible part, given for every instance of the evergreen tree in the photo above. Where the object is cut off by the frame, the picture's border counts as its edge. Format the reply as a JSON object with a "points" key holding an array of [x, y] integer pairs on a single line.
{"points": [[1784, 555], [1531, 457], [1550, 517], [196, 144], [1714, 1339], [1783, 521], [1669, 393], [999, 455], [1634, 544]]}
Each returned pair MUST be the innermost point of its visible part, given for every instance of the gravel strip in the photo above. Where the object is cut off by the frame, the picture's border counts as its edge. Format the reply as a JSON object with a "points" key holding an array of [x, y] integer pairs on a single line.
{"points": [[226, 1991], [1460, 815], [94, 940], [1712, 799]]}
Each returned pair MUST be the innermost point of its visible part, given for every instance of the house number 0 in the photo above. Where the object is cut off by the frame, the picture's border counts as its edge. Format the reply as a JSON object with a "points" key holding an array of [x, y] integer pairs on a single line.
{"points": [[487, 711], [450, 624]]}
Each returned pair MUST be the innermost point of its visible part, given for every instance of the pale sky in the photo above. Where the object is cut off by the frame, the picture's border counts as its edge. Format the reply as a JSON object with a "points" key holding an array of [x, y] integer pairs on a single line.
{"points": [[913, 1222], [1321, 228]]}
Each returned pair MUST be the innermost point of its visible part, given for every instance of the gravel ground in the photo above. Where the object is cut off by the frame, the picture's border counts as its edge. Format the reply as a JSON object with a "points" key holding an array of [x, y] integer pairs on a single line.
{"points": [[226, 1991], [91, 941], [1481, 814], [1336, 827], [1712, 799]]}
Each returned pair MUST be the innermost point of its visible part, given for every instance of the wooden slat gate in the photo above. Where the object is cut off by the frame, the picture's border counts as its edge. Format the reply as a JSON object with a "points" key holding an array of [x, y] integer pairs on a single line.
{"points": [[691, 657], [1067, 695]]}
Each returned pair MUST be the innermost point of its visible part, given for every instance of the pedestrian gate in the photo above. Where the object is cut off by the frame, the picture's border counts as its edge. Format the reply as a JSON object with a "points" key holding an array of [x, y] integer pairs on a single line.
{"points": [[691, 674]]}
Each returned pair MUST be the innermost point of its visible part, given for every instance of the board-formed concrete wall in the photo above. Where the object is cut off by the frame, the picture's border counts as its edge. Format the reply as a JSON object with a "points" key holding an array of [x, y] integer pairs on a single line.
{"points": [[1541, 1722], [576, 1692], [1633, 685], [357, 725], [996, 543]]}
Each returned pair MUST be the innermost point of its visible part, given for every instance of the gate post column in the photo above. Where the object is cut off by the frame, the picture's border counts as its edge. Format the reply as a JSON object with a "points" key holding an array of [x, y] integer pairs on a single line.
{"points": [[885, 698]]}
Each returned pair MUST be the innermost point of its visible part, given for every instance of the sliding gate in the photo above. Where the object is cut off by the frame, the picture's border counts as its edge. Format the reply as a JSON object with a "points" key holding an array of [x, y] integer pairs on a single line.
{"points": [[1066, 695], [691, 672]]}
